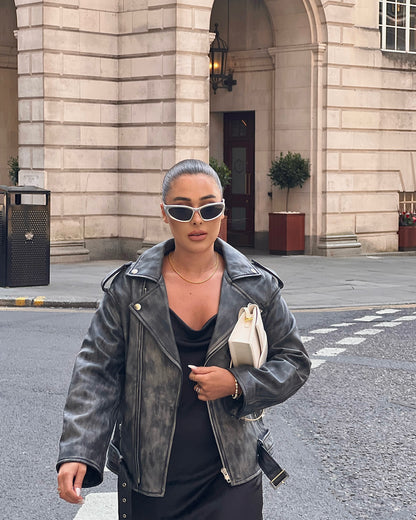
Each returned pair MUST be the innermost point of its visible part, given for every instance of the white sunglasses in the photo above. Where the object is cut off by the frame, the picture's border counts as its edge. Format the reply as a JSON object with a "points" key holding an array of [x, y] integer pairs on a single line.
{"points": [[186, 213]]}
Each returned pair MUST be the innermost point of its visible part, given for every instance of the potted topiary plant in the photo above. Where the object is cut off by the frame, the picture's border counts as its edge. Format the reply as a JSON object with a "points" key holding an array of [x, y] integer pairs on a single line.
{"points": [[224, 174], [407, 231], [287, 229]]}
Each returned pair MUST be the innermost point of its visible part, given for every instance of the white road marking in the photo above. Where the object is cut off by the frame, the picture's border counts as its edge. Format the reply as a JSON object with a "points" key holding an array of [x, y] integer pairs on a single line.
{"points": [[369, 332], [329, 352], [350, 341], [305, 339], [387, 324], [342, 324], [317, 363], [325, 352], [98, 505], [388, 311], [405, 318], [322, 331], [368, 318]]}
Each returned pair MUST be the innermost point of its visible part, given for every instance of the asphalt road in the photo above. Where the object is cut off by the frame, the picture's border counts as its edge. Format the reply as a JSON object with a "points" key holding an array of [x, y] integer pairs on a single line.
{"points": [[347, 438]]}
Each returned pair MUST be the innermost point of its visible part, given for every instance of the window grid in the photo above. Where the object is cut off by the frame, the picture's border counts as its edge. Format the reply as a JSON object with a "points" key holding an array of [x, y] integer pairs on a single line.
{"points": [[397, 23], [407, 201]]}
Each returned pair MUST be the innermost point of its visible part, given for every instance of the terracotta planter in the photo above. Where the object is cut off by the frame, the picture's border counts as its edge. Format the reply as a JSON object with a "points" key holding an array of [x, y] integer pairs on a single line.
{"points": [[407, 238], [223, 229], [287, 233]]}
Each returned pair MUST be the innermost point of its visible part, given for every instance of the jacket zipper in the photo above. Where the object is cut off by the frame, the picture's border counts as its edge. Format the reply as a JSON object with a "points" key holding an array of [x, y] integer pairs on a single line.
{"points": [[138, 407], [224, 469], [226, 475]]}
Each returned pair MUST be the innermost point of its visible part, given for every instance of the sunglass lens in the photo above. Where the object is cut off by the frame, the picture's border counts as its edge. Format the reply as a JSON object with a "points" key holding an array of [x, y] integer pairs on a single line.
{"points": [[212, 211], [181, 213]]}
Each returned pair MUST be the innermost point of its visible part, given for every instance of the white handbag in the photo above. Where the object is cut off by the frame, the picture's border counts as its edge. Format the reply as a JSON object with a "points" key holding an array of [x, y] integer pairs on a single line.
{"points": [[248, 340]]}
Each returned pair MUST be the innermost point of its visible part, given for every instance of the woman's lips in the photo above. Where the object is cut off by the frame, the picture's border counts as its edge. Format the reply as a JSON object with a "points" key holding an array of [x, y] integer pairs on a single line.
{"points": [[197, 235]]}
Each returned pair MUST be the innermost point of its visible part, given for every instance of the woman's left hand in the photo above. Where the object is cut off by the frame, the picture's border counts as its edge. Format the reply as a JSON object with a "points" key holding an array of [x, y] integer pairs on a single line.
{"points": [[212, 382]]}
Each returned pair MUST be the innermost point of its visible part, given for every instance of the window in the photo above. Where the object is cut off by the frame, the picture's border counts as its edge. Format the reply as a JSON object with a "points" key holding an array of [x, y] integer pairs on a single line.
{"points": [[397, 21], [407, 201]]}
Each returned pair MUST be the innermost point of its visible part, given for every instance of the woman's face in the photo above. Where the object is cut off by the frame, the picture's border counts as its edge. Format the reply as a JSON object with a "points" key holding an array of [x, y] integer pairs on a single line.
{"points": [[194, 190]]}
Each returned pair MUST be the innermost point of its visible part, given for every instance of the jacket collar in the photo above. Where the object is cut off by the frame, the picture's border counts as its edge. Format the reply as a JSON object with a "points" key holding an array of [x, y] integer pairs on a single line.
{"points": [[149, 264]]}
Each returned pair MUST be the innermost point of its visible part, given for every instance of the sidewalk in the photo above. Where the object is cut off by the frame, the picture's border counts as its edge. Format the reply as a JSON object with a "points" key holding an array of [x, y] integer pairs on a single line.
{"points": [[311, 282]]}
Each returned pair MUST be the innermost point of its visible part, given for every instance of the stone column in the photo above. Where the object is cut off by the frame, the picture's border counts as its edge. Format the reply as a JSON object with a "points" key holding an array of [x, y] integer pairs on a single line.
{"points": [[164, 107], [8, 87], [30, 92]]}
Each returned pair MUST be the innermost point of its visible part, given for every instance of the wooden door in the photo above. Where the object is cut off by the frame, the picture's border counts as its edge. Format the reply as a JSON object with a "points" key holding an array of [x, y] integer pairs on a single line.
{"points": [[239, 195]]}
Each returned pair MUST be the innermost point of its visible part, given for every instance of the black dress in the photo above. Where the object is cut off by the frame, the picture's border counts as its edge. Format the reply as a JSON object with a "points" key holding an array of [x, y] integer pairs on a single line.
{"points": [[196, 489]]}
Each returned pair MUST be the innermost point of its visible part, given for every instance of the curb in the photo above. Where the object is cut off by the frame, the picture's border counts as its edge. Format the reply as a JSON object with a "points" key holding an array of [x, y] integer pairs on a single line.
{"points": [[43, 302]]}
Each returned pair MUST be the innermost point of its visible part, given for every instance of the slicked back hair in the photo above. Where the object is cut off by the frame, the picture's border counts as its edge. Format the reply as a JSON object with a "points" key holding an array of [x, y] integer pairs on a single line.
{"points": [[188, 167]]}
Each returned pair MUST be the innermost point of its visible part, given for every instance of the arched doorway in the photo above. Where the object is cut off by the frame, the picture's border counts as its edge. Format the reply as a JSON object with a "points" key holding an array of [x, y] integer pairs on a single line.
{"points": [[240, 122], [8, 87], [275, 53]]}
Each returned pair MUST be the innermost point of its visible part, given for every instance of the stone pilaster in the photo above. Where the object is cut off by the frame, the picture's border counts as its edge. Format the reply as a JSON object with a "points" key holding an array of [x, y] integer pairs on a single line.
{"points": [[8, 87], [80, 122], [163, 104]]}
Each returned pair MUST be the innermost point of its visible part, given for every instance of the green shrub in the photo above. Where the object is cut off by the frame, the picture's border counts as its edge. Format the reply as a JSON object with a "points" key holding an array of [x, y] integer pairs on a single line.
{"points": [[289, 171], [223, 172], [14, 169]]}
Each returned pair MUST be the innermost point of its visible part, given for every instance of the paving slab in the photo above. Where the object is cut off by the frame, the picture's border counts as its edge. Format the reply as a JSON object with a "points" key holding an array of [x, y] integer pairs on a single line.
{"points": [[311, 282]]}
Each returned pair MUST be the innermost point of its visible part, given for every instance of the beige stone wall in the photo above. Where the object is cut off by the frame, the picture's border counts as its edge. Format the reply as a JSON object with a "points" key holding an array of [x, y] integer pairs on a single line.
{"points": [[8, 87], [68, 94], [371, 119], [113, 92], [81, 118], [163, 110], [30, 92]]}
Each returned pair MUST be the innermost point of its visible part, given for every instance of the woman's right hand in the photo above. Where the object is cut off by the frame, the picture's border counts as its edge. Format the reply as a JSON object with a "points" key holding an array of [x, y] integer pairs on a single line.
{"points": [[70, 478]]}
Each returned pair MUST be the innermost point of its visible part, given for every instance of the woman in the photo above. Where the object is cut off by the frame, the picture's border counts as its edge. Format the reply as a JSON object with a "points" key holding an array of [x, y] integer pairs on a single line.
{"points": [[154, 372]]}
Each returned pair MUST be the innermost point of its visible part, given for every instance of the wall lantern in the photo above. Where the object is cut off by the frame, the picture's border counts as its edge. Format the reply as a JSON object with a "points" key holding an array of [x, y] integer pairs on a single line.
{"points": [[218, 64]]}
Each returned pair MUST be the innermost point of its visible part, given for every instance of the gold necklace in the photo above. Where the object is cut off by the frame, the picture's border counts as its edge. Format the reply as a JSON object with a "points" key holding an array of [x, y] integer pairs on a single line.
{"points": [[190, 281]]}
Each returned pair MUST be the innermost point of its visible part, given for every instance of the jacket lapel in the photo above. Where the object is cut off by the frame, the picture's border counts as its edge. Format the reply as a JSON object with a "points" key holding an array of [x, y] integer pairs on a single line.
{"points": [[152, 311], [152, 307]]}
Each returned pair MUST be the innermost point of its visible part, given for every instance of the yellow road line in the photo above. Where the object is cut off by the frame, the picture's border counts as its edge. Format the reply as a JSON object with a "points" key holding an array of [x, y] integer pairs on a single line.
{"points": [[21, 301]]}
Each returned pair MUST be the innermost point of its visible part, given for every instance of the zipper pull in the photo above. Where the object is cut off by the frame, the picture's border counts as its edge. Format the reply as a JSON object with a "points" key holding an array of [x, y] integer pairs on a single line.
{"points": [[226, 475]]}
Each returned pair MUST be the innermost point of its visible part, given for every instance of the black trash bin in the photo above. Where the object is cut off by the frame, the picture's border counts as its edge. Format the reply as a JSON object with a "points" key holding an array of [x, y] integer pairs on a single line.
{"points": [[24, 236]]}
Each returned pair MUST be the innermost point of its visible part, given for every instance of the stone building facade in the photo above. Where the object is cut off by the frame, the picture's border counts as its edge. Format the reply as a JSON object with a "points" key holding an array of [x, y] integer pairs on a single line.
{"points": [[100, 97]]}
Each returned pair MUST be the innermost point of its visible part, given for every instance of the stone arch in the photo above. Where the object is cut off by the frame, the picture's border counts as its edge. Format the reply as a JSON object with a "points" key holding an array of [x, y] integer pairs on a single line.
{"points": [[303, 20], [289, 58], [8, 87], [300, 45]]}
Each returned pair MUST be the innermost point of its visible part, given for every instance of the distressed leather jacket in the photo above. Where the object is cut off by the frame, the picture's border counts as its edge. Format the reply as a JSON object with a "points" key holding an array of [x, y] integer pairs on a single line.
{"points": [[127, 376]]}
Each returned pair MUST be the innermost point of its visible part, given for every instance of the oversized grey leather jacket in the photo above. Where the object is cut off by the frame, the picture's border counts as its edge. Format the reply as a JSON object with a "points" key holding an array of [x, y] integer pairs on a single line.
{"points": [[127, 377]]}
